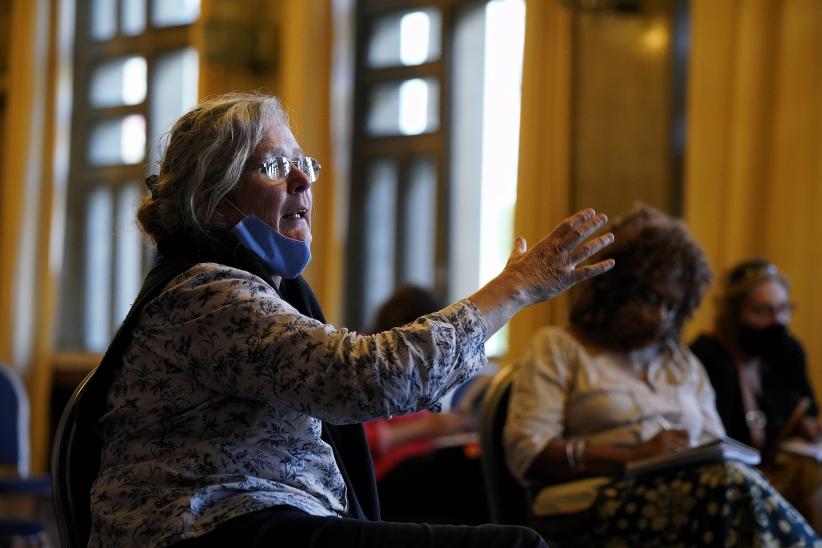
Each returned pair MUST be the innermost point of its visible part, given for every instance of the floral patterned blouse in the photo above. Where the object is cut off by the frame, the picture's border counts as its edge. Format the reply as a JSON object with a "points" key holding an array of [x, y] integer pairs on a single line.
{"points": [[216, 409]]}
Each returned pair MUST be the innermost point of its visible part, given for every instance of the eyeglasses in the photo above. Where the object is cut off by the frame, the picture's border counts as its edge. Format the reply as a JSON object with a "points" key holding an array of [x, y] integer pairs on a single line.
{"points": [[278, 168]]}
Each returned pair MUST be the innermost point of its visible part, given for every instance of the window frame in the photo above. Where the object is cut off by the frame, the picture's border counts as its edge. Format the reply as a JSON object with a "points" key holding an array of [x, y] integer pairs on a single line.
{"points": [[400, 149], [83, 177]]}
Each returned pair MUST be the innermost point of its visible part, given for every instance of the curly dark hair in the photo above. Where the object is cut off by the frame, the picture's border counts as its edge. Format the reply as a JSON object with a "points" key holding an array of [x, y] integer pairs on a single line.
{"points": [[648, 246]]}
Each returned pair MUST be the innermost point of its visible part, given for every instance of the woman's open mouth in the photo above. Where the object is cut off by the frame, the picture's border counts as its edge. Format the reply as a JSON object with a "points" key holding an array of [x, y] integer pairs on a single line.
{"points": [[299, 214]]}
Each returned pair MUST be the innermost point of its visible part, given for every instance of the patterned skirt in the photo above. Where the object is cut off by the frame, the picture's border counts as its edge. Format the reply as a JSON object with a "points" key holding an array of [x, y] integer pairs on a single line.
{"points": [[722, 504]]}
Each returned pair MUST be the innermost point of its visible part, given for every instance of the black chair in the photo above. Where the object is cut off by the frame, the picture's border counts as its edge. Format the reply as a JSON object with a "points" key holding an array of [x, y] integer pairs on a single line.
{"points": [[507, 499], [75, 463]]}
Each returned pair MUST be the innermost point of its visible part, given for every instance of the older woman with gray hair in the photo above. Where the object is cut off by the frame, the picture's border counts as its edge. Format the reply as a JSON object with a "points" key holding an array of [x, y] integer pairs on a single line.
{"points": [[232, 408]]}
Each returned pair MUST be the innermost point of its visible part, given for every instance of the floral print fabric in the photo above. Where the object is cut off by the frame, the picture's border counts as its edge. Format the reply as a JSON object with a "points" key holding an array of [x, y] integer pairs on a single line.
{"points": [[216, 409], [723, 504]]}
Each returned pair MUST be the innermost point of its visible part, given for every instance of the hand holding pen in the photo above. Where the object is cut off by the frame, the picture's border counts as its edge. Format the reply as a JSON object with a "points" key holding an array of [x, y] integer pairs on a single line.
{"points": [[668, 440]]}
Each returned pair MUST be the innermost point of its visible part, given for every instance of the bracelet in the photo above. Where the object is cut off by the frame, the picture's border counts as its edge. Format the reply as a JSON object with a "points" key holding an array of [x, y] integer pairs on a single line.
{"points": [[569, 454], [579, 452]]}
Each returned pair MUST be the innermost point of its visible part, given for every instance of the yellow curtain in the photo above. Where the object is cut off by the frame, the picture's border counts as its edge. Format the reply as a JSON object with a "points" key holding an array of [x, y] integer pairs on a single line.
{"points": [[28, 190], [543, 188], [753, 176], [306, 93]]}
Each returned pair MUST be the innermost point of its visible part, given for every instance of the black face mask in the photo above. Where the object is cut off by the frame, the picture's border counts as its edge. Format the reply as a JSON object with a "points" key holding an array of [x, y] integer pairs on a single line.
{"points": [[763, 341]]}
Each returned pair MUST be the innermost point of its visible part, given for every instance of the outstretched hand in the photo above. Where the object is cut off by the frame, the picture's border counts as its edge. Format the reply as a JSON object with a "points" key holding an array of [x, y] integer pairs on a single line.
{"points": [[546, 270], [551, 266]]}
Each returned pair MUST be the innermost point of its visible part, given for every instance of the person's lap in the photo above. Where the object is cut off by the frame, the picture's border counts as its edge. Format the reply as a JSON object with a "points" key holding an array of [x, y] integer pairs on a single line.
{"points": [[726, 504], [284, 526]]}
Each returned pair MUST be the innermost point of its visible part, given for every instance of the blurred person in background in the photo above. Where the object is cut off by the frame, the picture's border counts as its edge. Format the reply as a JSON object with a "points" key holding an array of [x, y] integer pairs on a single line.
{"points": [[617, 386], [759, 373]]}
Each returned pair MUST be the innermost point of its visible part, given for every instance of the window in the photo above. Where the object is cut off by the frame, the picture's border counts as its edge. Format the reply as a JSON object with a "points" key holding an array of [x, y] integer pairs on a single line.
{"points": [[435, 148], [134, 74]]}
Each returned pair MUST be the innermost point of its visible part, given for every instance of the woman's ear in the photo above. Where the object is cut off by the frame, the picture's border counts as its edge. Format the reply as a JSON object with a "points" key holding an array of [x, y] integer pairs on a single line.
{"points": [[218, 218], [222, 215]]}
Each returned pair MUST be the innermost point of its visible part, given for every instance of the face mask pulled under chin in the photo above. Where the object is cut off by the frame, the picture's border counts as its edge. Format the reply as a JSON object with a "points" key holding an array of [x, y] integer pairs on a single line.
{"points": [[284, 256], [763, 341]]}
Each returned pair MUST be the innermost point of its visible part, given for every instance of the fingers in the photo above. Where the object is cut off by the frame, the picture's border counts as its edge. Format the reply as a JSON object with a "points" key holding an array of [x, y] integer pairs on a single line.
{"points": [[582, 273], [591, 247], [520, 247], [582, 231], [568, 225]]}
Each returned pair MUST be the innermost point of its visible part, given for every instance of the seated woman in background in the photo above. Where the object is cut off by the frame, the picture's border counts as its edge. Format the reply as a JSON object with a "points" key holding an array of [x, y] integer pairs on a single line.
{"points": [[416, 479], [616, 386], [758, 371]]}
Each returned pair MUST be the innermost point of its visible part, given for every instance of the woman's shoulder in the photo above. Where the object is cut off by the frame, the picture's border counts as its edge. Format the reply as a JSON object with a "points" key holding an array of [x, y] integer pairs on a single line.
{"points": [[682, 355], [203, 274], [706, 342], [207, 290], [558, 345], [555, 336], [204, 287], [710, 351]]}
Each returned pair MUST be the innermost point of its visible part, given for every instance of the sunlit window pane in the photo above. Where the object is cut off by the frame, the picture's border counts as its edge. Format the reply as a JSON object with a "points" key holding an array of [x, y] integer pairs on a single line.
{"points": [[167, 13], [133, 145], [133, 17], [420, 222], [97, 270], [504, 35], [413, 107], [504, 31], [119, 82], [379, 217], [128, 250], [488, 45], [120, 141], [103, 19], [414, 37], [407, 38], [409, 107], [173, 92]]}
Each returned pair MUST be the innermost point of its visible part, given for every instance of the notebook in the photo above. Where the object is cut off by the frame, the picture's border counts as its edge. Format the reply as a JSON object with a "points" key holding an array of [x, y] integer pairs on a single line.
{"points": [[711, 451]]}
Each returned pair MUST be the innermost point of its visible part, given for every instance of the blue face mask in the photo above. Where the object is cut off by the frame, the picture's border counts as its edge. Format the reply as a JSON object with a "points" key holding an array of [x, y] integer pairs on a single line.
{"points": [[285, 256]]}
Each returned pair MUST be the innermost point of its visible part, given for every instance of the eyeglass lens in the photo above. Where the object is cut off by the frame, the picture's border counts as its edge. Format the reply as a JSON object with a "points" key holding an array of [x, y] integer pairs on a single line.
{"points": [[279, 168]]}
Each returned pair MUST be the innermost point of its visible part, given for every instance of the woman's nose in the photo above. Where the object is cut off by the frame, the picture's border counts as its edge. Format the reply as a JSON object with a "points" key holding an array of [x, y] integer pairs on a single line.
{"points": [[297, 181]]}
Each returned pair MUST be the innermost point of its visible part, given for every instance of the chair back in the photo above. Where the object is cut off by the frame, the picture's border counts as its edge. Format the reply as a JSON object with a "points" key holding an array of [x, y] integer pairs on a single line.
{"points": [[75, 463], [14, 422], [507, 499]]}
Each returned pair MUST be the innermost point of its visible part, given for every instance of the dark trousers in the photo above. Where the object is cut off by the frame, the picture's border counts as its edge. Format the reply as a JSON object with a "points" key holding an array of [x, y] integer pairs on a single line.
{"points": [[285, 526]]}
